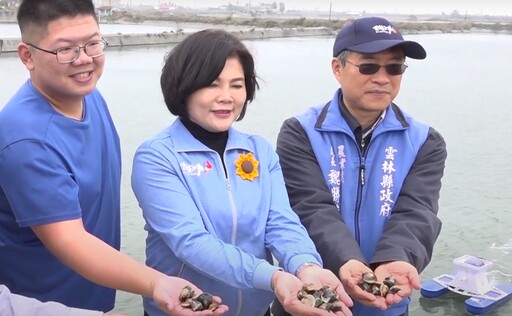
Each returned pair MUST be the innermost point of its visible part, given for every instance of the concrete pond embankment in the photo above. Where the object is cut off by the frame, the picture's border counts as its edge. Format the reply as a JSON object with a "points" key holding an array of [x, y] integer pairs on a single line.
{"points": [[140, 39]]}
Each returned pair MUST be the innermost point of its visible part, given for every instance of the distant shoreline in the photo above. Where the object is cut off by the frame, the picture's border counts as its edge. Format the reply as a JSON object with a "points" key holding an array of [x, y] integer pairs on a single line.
{"points": [[10, 44], [407, 24], [257, 30]]}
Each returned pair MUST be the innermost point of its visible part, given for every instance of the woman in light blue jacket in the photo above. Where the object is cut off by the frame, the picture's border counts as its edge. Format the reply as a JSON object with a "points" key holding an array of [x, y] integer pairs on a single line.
{"points": [[213, 198]]}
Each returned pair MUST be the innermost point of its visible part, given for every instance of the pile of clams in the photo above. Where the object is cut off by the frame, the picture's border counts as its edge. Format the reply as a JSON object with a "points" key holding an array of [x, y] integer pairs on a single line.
{"points": [[199, 302], [369, 284], [324, 298]]}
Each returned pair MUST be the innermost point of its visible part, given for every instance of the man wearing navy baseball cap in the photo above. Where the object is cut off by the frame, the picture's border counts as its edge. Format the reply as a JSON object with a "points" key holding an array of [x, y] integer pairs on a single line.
{"points": [[369, 35], [363, 175]]}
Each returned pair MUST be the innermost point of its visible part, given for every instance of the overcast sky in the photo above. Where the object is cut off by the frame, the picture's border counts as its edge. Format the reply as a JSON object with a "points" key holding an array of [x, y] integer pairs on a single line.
{"points": [[489, 7]]}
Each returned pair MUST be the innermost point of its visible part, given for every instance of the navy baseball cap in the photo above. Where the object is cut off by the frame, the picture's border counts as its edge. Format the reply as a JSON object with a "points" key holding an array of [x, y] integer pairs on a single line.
{"points": [[370, 35]]}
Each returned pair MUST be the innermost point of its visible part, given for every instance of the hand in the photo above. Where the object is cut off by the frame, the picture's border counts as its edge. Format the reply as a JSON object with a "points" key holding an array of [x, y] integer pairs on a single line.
{"points": [[286, 286], [322, 277], [351, 274], [405, 275], [166, 291]]}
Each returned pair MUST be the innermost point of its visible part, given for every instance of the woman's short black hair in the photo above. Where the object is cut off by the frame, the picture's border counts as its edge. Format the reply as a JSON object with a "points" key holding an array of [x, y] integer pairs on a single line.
{"points": [[197, 61]]}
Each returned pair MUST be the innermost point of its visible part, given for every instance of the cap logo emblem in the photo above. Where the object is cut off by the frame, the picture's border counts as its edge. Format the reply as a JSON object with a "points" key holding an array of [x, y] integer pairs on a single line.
{"points": [[384, 29]]}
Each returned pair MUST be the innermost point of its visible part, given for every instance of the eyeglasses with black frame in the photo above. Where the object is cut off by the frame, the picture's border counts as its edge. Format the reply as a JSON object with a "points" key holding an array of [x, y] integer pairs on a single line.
{"points": [[372, 68], [68, 54]]}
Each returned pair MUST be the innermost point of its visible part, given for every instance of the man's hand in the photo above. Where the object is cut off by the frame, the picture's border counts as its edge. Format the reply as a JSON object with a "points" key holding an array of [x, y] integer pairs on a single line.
{"points": [[405, 275], [351, 274], [166, 292]]}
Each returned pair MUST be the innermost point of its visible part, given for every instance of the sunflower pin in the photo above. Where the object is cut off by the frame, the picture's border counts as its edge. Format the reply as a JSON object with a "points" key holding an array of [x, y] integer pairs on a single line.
{"points": [[247, 166]]}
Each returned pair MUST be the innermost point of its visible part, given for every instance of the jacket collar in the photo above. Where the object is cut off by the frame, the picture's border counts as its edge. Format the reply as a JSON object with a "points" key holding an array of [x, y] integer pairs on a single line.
{"points": [[331, 115], [184, 141]]}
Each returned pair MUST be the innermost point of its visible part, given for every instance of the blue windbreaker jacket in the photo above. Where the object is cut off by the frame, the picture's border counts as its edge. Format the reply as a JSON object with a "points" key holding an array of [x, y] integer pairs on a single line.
{"points": [[218, 231]]}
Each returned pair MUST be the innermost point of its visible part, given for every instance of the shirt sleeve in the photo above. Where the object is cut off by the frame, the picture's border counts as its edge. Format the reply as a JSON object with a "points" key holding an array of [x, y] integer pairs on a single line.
{"points": [[13, 304], [37, 184], [297, 248]]}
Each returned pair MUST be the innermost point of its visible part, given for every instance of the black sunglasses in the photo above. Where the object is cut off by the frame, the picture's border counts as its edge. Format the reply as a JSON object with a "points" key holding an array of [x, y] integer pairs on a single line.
{"points": [[370, 68]]}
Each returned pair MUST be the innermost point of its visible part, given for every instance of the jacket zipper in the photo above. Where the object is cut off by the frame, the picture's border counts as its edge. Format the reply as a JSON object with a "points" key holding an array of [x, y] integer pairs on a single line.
{"points": [[361, 181], [363, 150], [233, 236]]}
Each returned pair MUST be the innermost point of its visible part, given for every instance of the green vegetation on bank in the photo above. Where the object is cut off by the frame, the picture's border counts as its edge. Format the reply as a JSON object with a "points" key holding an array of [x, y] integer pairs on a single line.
{"points": [[334, 24]]}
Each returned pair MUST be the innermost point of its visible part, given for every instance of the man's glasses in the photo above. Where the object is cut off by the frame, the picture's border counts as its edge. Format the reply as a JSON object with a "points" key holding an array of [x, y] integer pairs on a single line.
{"points": [[370, 68], [69, 54]]}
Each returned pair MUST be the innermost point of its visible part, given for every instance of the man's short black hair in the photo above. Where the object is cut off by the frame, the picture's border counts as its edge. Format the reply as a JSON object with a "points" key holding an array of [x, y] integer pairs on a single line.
{"points": [[39, 13]]}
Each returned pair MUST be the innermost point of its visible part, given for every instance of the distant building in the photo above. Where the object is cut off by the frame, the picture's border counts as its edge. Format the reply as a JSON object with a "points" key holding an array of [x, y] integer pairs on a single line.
{"points": [[354, 14], [9, 4], [165, 6], [110, 3], [104, 12], [265, 8]]}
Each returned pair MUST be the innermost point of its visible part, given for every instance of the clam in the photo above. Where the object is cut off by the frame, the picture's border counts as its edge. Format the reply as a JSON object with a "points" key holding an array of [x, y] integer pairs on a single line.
{"points": [[196, 305], [324, 298], [336, 306], [369, 277], [367, 287], [187, 302], [310, 288], [384, 289], [389, 281], [376, 289], [309, 300], [213, 306], [394, 289], [186, 292], [203, 301], [369, 284], [328, 296], [302, 293]]}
